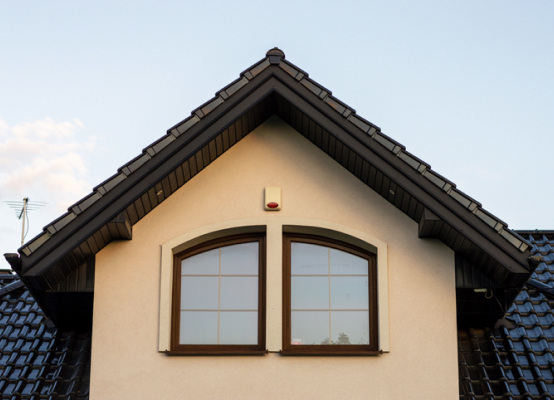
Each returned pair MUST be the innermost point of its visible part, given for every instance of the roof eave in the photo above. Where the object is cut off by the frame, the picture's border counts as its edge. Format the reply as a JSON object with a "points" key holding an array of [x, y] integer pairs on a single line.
{"points": [[112, 197]]}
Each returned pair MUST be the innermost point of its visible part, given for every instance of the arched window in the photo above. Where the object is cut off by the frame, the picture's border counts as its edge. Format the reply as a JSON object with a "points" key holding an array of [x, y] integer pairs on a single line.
{"points": [[329, 297], [326, 290], [219, 297]]}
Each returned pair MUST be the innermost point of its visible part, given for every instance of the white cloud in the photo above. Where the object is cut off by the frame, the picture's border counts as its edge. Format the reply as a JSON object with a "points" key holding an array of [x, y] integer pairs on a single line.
{"points": [[44, 160]]}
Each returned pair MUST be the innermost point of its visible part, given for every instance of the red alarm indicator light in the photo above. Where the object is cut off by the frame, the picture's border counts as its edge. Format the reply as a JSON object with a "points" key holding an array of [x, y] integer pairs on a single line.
{"points": [[272, 200]]}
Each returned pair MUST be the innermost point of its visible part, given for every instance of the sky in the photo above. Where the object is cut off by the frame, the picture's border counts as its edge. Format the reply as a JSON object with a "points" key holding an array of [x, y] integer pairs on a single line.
{"points": [[467, 86]]}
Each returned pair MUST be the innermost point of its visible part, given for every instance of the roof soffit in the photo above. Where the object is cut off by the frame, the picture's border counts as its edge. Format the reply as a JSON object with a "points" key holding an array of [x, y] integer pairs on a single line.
{"points": [[265, 85]]}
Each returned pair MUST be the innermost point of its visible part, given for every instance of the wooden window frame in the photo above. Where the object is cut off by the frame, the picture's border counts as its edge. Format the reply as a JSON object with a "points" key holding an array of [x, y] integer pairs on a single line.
{"points": [[289, 349], [220, 349]]}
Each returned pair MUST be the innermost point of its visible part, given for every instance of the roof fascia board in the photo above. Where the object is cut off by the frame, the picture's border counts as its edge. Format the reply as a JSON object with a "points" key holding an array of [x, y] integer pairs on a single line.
{"points": [[128, 190], [188, 143], [409, 179]]}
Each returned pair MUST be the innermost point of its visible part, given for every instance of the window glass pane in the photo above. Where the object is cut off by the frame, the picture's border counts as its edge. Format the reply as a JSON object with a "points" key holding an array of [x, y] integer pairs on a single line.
{"points": [[240, 259], [206, 263], [199, 292], [238, 327], [239, 293], [350, 326], [348, 292], [346, 263], [309, 259], [310, 292], [198, 327], [309, 327], [219, 296]]}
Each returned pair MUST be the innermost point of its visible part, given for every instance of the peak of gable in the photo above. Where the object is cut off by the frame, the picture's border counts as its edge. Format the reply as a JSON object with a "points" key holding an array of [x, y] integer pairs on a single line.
{"points": [[273, 86]]}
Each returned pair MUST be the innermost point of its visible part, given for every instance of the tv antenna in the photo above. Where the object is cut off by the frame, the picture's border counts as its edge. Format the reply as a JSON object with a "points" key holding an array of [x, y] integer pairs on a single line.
{"points": [[22, 209]]}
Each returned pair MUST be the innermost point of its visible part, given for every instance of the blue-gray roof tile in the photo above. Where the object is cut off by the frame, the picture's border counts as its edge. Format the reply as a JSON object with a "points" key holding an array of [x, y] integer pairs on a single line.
{"points": [[37, 362], [515, 360]]}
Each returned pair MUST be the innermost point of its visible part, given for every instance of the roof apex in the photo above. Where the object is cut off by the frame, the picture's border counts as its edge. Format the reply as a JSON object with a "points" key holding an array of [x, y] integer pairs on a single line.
{"points": [[275, 55], [273, 85]]}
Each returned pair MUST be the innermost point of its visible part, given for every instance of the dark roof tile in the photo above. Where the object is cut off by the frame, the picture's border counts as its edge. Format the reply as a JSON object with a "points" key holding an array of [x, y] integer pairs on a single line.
{"points": [[36, 242], [61, 222], [277, 58], [333, 102], [361, 123], [256, 69], [293, 71], [232, 88], [326, 96], [110, 183], [135, 164], [439, 181], [159, 145], [37, 363], [388, 143], [413, 161], [208, 107], [464, 199], [514, 362], [185, 125]]}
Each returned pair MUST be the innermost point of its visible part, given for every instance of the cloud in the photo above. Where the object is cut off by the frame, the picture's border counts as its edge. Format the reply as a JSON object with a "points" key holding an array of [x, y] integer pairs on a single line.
{"points": [[45, 160]]}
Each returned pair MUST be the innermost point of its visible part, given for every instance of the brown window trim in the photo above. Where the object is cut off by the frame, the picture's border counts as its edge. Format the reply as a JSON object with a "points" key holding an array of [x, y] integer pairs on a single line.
{"points": [[219, 349], [346, 350]]}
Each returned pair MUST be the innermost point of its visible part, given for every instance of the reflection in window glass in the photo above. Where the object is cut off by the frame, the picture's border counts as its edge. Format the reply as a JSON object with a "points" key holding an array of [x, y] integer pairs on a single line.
{"points": [[309, 327], [329, 296], [349, 292], [350, 327], [199, 292], [238, 327], [239, 293], [219, 296], [346, 263], [309, 259], [198, 327], [240, 259], [310, 292], [206, 263]]}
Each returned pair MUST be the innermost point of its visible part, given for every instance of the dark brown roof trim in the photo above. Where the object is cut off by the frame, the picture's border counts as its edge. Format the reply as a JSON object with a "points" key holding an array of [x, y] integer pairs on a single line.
{"points": [[431, 192], [112, 196], [118, 197]]}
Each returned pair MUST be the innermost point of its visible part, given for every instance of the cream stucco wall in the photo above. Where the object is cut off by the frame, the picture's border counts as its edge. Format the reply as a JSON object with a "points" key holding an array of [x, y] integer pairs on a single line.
{"points": [[422, 362]]}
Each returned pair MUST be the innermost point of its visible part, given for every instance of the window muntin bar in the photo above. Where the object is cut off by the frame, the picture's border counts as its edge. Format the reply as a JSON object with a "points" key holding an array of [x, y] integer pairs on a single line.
{"points": [[330, 296], [220, 291]]}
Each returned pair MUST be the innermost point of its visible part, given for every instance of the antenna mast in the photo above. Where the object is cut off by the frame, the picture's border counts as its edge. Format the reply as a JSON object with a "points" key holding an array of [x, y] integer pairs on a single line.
{"points": [[22, 214], [22, 209]]}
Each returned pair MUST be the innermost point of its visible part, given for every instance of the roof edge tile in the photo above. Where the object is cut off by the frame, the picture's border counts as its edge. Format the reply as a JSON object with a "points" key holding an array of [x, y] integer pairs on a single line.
{"points": [[35, 243], [134, 164], [293, 70], [110, 183], [60, 222], [232, 88], [413, 161], [465, 200], [184, 125], [276, 57], [255, 69]]}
